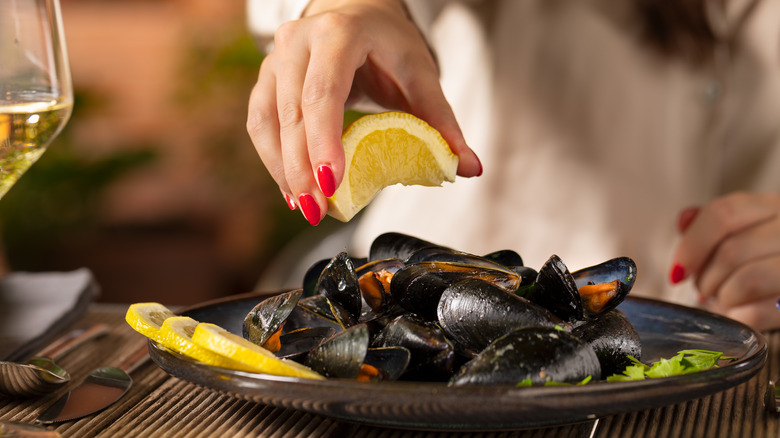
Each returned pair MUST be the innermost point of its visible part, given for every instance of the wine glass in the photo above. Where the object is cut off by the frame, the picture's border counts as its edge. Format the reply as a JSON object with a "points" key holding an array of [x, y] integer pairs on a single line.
{"points": [[36, 93]]}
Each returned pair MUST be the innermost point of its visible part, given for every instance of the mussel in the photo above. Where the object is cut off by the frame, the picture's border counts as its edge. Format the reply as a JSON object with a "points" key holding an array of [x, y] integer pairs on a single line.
{"points": [[602, 287], [342, 355], [613, 338], [474, 313], [556, 291], [396, 246], [418, 287], [534, 355], [432, 353], [421, 311], [347, 355], [339, 283], [265, 321]]}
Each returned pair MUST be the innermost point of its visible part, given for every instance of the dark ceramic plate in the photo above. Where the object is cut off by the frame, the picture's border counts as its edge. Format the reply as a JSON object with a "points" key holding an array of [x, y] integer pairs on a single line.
{"points": [[664, 328]]}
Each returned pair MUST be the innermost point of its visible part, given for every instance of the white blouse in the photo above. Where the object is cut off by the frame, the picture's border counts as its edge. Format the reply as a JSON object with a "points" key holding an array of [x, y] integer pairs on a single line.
{"points": [[591, 143]]}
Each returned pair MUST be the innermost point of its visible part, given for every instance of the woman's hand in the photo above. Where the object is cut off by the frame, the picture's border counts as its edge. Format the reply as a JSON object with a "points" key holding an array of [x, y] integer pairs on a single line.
{"points": [[731, 249], [341, 50]]}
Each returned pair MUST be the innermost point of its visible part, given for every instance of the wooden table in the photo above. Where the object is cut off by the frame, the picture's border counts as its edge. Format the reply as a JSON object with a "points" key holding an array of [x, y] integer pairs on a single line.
{"points": [[159, 405]]}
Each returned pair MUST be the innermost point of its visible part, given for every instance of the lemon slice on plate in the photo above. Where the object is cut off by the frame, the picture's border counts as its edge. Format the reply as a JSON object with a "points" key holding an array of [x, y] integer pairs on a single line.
{"points": [[176, 334], [147, 318], [256, 358], [385, 149]]}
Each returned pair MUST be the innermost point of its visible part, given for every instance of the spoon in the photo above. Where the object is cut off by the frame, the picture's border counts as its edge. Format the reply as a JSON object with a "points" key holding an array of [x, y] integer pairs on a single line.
{"points": [[41, 375], [20, 430], [772, 401]]}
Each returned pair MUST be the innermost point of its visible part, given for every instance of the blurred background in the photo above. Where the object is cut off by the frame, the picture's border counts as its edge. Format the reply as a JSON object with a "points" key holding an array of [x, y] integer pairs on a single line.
{"points": [[154, 184]]}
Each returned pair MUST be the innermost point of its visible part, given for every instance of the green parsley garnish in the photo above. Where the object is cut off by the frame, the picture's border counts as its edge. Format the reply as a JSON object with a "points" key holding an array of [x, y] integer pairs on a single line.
{"points": [[685, 362]]}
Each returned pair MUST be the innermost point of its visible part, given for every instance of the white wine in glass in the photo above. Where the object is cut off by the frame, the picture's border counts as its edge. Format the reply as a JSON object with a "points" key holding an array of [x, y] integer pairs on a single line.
{"points": [[36, 93]]}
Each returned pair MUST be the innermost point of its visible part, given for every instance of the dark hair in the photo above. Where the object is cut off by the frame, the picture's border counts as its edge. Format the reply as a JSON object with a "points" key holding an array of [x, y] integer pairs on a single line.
{"points": [[679, 28]]}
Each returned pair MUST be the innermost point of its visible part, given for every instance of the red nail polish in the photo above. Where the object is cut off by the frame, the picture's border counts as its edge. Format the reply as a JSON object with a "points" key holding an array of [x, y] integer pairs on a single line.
{"points": [[678, 274], [326, 181], [686, 218], [309, 208], [479, 172], [289, 201]]}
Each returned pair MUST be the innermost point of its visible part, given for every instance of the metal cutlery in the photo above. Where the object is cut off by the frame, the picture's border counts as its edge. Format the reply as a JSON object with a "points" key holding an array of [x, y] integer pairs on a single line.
{"points": [[41, 375], [9, 429], [102, 388]]}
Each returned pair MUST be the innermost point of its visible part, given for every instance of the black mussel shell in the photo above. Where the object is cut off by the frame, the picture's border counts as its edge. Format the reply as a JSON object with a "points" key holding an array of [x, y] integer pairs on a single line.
{"points": [[419, 286], [432, 354], [448, 255], [296, 344], [395, 246], [613, 338], [619, 273], [312, 277], [538, 354], [417, 289], [475, 313], [342, 355], [556, 291], [319, 311], [268, 316], [527, 274], [389, 265], [339, 283], [506, 257], [389, 362]]}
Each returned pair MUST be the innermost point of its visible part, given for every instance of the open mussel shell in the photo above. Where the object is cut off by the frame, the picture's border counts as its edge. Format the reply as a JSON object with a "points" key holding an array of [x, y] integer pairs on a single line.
{"points": [[538, 354], [418, 287], [395, 246], [319, 311], [374, 282], [432, 353], [390, 363], [342, 355], [448, 255], [613, 279], [339, 283], [268, 316], [556, 291], [506, 257], [528, 276], [474, 313], [613, 338], [298, 343], [312, 276]]}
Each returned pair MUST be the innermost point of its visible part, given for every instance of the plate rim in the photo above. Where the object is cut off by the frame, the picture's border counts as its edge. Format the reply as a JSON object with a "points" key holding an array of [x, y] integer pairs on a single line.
{"points": [[697, 384]]}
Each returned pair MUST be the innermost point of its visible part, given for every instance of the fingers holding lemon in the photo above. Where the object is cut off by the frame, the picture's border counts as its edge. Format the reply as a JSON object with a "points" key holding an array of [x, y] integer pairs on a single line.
{"points": [[386, 149]]}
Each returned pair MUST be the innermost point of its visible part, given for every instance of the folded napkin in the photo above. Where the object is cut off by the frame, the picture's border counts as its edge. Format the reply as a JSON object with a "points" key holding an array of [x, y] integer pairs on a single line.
{"points": [[36, 306]]}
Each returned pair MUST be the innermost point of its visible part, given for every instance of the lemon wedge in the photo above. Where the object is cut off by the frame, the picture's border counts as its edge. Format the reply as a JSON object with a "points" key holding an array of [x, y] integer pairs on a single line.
{"points": [[385, 149], [176, 334], [147, 318], [256, 358]]}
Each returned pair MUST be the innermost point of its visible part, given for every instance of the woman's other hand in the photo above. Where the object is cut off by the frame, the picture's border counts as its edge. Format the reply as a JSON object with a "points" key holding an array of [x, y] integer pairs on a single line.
{"points": [[731, 249], [339, 51]]}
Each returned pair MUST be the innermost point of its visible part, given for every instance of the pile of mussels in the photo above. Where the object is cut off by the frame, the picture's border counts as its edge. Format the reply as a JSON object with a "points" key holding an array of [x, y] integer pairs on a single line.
{"points": [[419, 311]]}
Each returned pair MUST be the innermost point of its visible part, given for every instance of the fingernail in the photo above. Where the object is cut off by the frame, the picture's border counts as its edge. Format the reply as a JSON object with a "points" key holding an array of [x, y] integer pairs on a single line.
{"points": [[686, 218], [309, 208], [678, 273], [289, 201], [326, 181], [479, 172]]}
